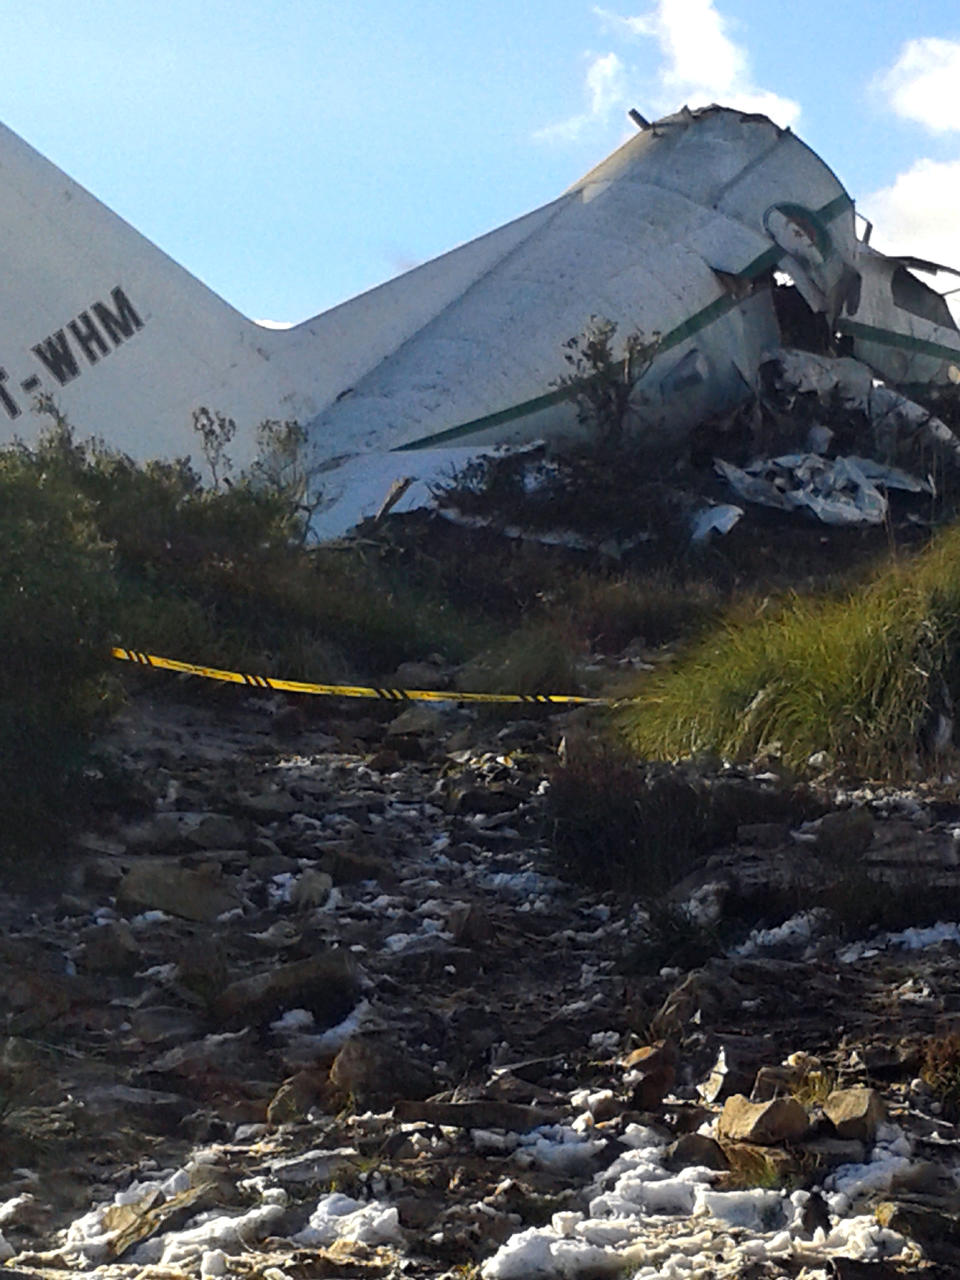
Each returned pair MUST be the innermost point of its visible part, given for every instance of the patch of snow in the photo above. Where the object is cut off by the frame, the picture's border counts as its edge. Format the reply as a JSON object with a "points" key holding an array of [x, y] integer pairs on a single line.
{"points": [[521, 884], [280, 888], [557, 1147], [793, 933], [207, 1232], [913, 939], [641, 1137], [293, 1020], [625, 1228], [890, 1156], [10, 1209], [705, 907], [917, 939], [863, 1238], [149, 917], [756, 1209], [338, 1217], [398, 941], [494, 1142], [589, 1100]]}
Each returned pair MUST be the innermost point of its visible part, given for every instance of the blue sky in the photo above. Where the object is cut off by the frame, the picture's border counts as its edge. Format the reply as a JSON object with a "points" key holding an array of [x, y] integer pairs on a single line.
{"points": [[292, 153]]}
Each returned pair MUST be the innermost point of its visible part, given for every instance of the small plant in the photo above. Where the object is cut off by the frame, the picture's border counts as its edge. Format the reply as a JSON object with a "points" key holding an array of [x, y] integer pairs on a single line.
{"points": [[941, 1071], [612, 611], [600, 383], [756, 1168], [280, 470], [767, 1169], [216, 431], [539, 657], [813, 1087], [672, 937]]}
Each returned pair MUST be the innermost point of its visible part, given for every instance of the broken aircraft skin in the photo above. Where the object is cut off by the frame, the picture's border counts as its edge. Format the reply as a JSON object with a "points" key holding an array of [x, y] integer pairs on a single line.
{"points": [[679, 233]]}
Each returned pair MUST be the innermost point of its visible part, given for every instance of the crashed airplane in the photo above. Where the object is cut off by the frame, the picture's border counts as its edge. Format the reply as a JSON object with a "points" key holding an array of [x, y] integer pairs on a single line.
{"points": [[714, 229]]}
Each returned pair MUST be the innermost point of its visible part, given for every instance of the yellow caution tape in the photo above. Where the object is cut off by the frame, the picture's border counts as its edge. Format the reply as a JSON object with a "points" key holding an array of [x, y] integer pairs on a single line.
{"points": [[353, 690]]}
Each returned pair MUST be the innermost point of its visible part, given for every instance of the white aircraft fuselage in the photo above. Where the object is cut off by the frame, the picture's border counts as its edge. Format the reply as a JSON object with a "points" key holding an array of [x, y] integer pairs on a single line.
{"points": [[678, 234]]}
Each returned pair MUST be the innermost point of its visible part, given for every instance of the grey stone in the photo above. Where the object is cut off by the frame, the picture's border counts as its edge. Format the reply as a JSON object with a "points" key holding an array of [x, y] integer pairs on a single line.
{"points": [[376, 1071], [326, 985], [845, 833], [163, 1025], [110, 948], [165, 885]]}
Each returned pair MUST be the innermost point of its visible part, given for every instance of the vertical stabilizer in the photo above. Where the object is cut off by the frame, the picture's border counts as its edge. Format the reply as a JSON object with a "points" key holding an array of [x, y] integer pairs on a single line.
{"points": [[126, 341]]}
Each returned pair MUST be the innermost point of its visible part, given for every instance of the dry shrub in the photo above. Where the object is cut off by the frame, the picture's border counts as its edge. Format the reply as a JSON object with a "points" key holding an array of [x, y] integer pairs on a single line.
{"points": [[941, 1071], [616, 825]]}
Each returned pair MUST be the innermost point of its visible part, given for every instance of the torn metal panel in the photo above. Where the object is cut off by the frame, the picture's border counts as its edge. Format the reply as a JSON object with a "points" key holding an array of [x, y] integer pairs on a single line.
{"points": [[846, 489], [719, 518], [837, 491], [903, 432], [898, 325]]}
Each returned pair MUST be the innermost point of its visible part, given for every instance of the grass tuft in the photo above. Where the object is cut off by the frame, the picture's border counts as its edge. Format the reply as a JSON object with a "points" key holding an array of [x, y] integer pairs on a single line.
{"points": [[855, 675]]}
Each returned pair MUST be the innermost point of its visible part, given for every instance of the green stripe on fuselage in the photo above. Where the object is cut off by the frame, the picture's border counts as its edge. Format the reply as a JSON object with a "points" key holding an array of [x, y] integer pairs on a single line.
{"points": [[889, 338]]}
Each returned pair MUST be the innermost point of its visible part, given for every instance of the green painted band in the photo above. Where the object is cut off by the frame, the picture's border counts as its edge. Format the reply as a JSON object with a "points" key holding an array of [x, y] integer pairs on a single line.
{"points": [[833, 208], [887, 338], [546, 401]]}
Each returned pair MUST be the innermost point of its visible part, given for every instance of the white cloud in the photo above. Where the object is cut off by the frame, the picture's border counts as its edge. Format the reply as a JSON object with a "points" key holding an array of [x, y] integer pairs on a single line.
{"points": [[701, 62], [922, 83], [275, 324], [606, 85], [606, 92], [916, 214]]}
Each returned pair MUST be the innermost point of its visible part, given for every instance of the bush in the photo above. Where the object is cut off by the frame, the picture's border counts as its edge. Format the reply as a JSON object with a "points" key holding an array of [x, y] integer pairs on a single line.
{"points": [[96, 549], [601, 385], [56, 598], [656, 608], [538, 657], [221, 576], [617, 825]]}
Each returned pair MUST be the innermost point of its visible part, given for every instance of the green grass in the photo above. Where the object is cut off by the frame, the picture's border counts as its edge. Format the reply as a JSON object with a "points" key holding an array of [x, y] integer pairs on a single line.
{"points": [[540, 656], [850, 674]]}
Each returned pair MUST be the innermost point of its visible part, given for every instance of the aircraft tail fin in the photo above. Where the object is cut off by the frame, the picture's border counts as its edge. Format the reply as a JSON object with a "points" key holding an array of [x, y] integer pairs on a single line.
{"points": [[125, 340]]}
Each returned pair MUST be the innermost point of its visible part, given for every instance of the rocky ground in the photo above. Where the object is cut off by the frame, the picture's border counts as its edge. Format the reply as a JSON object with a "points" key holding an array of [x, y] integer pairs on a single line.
{"points": [[316, 1005]]}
